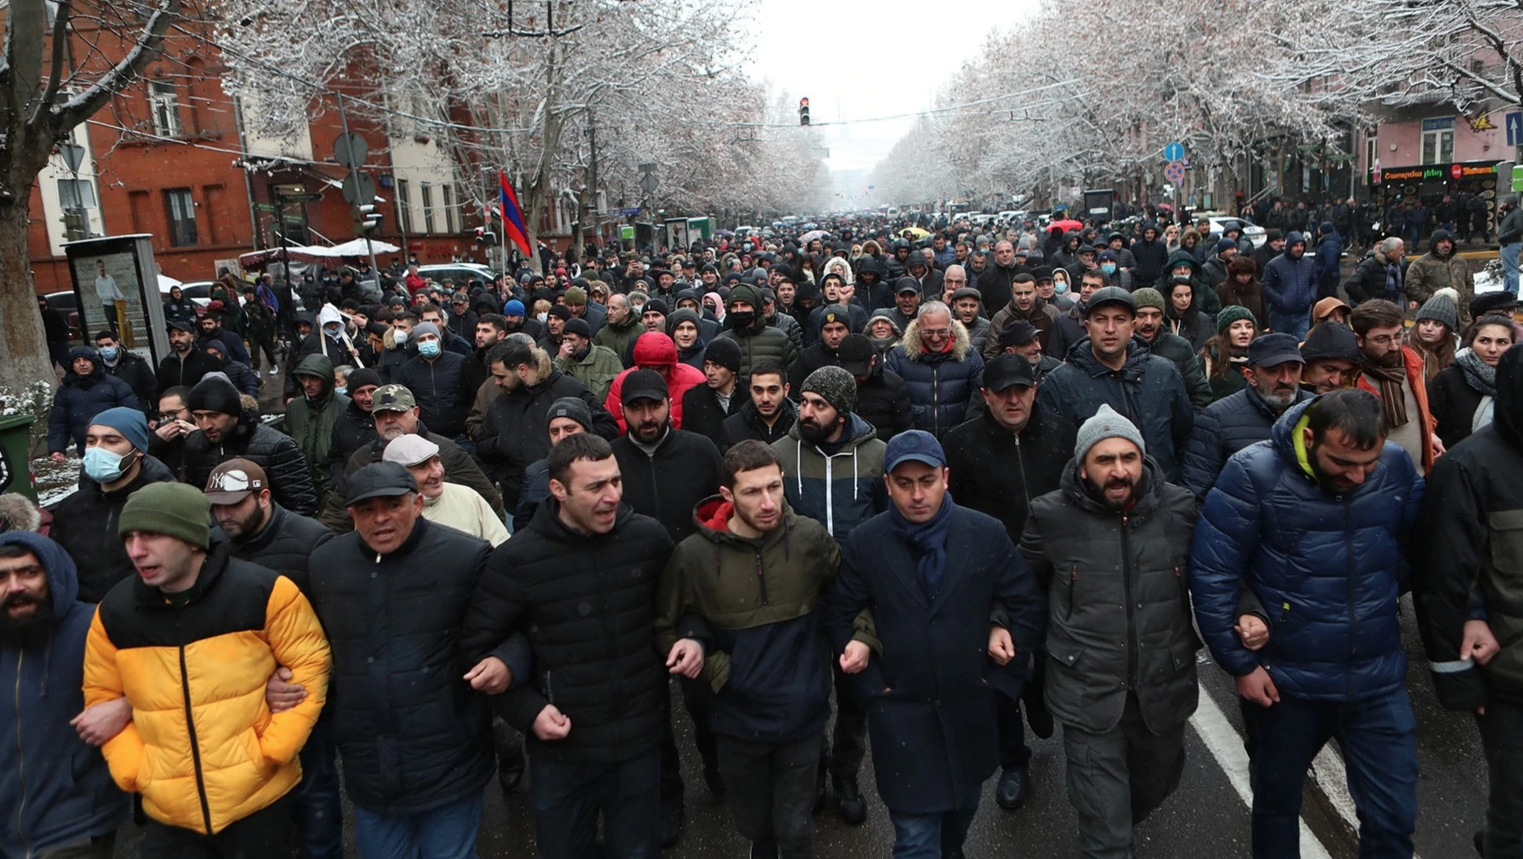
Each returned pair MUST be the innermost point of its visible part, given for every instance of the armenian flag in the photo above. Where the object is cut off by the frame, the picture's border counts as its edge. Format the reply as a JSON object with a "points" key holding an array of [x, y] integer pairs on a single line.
{"points": [[512, 215]]}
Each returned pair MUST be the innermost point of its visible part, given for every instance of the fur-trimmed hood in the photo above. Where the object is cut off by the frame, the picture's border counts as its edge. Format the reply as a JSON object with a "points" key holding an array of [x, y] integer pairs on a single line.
{"points": [[914, 351]]}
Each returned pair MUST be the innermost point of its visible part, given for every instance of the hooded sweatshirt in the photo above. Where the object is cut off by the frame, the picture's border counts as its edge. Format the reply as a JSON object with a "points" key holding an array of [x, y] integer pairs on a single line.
{"points": [[310, 421], [56, 788], [656, 351]]}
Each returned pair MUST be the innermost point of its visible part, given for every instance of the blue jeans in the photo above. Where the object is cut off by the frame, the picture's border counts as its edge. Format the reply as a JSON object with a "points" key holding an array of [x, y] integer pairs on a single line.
{"points": [[446, 832], [319, 811], [931, 836], [568, 795], [1294, 324], [1509, 255], [1378, 741]]}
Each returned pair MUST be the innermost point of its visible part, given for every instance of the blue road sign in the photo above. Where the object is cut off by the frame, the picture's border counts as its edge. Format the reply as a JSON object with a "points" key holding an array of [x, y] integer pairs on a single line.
{"points": [[1514, 125], [1174, 152]]}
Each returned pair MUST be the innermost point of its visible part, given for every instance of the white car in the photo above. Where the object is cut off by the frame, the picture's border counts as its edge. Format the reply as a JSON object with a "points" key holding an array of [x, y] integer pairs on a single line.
{"points": [[198, 291], [459, 274], [1221, 220]]}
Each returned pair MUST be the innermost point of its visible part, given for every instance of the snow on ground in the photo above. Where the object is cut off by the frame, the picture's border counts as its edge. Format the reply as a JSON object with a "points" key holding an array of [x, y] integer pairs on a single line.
{"points": [[55, 481], [1489, 280]]}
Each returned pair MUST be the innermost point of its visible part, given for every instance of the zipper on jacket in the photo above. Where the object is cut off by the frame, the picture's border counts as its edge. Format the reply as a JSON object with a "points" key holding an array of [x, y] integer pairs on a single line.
{"points": [[1131, 610], [1073, 579], [936, 399], [195, 744], [1348, 549], [761, 578], [26, 849], [1020, 462]]}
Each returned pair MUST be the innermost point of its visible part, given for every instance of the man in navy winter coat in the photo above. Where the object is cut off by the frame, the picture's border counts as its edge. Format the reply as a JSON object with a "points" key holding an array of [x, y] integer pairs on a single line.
{"points": [[87, 390], [1290, 288], [1295, 571]]}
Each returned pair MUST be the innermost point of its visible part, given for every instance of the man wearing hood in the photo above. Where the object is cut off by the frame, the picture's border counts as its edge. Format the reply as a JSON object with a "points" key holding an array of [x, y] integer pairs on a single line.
{"points": [[1114, 534], [1441, 267], [310, 418], [129, 367], [116, 465], [1183, 264], [244, 379], [895, 266], [1110, 367], [86, 392], [225, 430], [925, 276], [331, 338], [872, 286], [1290, 288], [1467, 547], [752, 635], [832, 464], [656, 351], [1024, 305], [1296, 570], [747, 325], [57, 788]]}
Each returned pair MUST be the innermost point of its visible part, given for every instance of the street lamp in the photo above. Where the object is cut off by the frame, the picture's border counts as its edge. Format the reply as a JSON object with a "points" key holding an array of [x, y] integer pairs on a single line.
{"points": [[73, 156]]}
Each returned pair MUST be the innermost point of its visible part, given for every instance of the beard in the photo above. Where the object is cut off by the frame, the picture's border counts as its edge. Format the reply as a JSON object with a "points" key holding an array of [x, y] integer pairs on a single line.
{"points": [[29, 630], [648, 432], [1098, 491], [815, 433], [1330, 484], [1386, 359]]}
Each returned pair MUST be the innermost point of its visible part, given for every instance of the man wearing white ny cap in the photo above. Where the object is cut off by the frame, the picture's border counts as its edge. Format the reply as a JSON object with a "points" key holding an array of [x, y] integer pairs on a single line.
{"points": [[459, 507]]}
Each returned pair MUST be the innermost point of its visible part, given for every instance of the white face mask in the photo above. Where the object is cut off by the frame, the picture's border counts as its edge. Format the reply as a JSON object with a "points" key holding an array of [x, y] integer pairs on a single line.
{"points": [[542, 317]]}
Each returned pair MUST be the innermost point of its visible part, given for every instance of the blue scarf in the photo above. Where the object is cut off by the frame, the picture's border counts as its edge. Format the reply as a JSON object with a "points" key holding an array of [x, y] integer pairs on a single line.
{"points": [[929, 540]]}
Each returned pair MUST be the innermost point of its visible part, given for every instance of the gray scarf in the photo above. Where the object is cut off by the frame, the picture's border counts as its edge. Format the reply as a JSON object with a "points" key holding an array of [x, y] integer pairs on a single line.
{"points": [[1478, 374]]}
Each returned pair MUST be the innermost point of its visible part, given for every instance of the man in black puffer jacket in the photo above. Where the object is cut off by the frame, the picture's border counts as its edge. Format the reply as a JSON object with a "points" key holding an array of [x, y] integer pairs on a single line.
{"points": [[883, 399], [1234, 422], [86, 392], [355, 427], [581, 581], [225, 430], [391, 596], [433, 376]]}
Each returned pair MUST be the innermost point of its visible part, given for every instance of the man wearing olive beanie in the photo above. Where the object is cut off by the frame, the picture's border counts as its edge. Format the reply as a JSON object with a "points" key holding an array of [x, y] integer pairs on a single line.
{"points": [[1167, 344], [194, 611]]}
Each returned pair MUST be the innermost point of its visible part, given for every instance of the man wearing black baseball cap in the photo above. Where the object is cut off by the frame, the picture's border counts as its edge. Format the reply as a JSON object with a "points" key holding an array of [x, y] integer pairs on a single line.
{"points": [[933, 752], [1015, 451], [1107, 366], [1273, 372], [398, 571]]}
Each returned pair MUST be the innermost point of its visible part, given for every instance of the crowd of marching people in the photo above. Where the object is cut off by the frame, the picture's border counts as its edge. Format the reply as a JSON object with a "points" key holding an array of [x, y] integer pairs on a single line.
{"points": [[865, 493]]}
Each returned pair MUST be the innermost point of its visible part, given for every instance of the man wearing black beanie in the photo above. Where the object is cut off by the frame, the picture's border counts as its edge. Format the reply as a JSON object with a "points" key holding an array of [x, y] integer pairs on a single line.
{"points": [[224, 431], [705, 407]]}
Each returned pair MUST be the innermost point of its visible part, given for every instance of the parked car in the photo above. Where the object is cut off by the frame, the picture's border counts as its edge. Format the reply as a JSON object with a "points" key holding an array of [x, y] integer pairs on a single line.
{"points": [[1221, 221], [458, 273], [64, 302]]}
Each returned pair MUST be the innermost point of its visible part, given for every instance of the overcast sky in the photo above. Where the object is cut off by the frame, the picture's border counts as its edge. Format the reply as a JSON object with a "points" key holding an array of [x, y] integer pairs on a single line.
{"points": [[856, 60]]}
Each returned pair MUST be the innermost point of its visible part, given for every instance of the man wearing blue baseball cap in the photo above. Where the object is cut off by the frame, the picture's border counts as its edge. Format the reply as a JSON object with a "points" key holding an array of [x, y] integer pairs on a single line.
{"points": [[949, 594]]}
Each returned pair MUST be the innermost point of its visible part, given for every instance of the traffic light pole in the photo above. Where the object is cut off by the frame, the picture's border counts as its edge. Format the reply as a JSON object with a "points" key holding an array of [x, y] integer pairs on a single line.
{"points": [[343, 121]]}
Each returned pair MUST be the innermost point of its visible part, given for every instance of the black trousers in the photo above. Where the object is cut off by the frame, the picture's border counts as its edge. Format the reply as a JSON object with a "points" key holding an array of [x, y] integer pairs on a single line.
{"points": [[695, 699], [843, 757], [265, 834], [1502, 741], [770, 790]]}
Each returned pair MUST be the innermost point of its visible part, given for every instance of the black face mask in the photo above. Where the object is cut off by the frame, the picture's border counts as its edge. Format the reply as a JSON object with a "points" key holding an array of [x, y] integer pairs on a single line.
{"points": [[741, 319]]}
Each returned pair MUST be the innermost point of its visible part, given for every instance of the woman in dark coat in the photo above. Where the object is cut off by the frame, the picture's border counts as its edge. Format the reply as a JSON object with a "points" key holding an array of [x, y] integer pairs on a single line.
{"points": [[1242, 288], [1225, 355], [1181, 314], [1460, 396]]}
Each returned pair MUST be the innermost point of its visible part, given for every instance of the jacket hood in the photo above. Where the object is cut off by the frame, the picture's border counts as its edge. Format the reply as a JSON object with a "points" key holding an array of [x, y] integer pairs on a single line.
{"points": [[1288, 441], [1294, 237], [858, 432], [914, 350], [1442, 235], [63, 578], [329, 313], [1182, 257], [872, 265], [712, 516], [887, 314], [655, 349], [319, 365], [1508, 415]]}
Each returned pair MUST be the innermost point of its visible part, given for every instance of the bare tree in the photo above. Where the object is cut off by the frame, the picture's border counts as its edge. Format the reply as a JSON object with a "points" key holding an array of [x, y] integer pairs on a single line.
{"points": [[60, 62]]}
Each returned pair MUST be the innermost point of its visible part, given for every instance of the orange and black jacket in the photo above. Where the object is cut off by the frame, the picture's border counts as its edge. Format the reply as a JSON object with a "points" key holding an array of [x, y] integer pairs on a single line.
{"points": [[203, 748]]}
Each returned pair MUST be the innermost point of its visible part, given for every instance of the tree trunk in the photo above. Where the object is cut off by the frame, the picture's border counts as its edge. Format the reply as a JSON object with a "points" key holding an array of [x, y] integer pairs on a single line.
{"points": [[23, 347]]}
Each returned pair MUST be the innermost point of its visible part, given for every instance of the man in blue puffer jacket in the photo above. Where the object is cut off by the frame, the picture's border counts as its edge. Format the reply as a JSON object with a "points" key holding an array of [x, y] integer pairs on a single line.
{"points": [[87, 390], [940, 367], [1290, 288], [1295, 571]]}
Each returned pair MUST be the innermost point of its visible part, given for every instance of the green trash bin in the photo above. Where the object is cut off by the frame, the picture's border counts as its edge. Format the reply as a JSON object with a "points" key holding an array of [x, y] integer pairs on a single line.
{"points": [[15, 445]]}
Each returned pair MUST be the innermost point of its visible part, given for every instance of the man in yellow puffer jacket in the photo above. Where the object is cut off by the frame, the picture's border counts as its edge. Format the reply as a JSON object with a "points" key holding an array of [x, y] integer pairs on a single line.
{"points": [[190, 643]]}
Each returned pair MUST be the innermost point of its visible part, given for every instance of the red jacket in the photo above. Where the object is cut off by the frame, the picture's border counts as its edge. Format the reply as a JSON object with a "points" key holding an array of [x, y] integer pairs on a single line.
{"points": [[656, 351], [1414, 364]]}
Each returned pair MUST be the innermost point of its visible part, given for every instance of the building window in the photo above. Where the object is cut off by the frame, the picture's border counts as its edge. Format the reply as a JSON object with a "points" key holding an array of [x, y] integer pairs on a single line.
{"points": [[1371, 153], [166, 109], [428, 207], [182, 217], [76, 193], [404, 205], [451, 225], [1438, 140]]}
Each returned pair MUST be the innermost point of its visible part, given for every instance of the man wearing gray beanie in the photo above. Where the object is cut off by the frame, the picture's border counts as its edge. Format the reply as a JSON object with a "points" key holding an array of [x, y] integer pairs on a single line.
{"points": [[1115, 533], [832, 463]]}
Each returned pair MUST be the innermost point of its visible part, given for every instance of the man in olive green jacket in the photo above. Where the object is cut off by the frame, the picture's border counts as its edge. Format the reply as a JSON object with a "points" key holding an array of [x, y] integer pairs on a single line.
{"points": [[594, 366]]}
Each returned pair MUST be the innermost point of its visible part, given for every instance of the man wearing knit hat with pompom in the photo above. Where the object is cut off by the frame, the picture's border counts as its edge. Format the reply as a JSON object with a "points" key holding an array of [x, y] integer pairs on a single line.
{"points": [[1122, 683]]}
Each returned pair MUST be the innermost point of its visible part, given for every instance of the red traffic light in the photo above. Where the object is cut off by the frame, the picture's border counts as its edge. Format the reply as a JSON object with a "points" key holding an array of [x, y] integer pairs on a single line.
{"points": [[803, 102]]}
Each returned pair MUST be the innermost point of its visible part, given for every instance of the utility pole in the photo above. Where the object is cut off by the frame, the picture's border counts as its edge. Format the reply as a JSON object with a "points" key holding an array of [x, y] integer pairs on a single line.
{"points": [[592, 177], [343, 121]]}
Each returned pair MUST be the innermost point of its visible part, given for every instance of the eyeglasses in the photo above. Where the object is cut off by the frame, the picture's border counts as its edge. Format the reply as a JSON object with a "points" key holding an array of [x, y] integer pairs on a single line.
{"points": [[1384, 339], [936, 333]]}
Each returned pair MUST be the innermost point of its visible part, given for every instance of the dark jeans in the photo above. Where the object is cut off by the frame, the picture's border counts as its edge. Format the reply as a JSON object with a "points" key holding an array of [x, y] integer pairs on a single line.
{"points": [[568, 797], [842, 757], [319, 811], [1013, 751], [1118, 777], [444, 832], [1502, 740], [261, 835], [1378, 741], [931, 836], [266, 341], [1294, 324], [770, 791], [695, 699]]}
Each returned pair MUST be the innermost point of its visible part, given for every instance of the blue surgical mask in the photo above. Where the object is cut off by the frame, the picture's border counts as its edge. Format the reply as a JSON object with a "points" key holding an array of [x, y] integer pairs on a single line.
{"points": [[108, 352], [1108, 267], [340, 390], [103, 466], [429, 348]]}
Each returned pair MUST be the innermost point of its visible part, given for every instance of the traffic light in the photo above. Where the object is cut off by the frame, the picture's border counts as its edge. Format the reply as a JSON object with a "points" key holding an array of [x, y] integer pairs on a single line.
{"points": [[486, 237], [803, 111], [73, 225], [367, 221]]}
